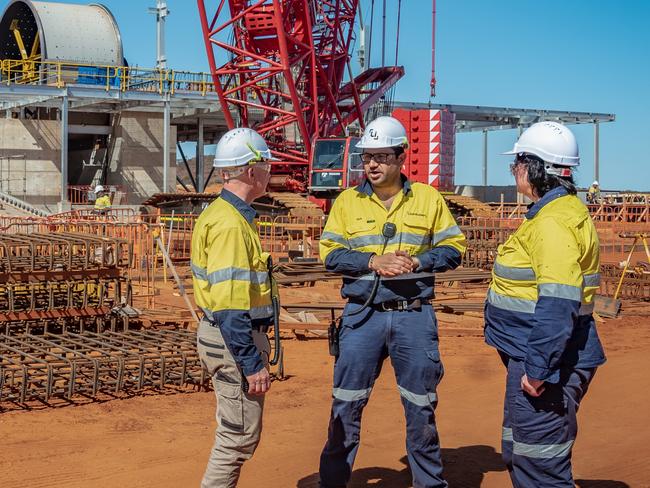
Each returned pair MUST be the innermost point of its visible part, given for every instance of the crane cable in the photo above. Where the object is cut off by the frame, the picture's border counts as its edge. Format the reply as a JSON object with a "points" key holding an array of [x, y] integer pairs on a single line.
{"points": [[372, 17], [399, 12], [383, 36], [432, 93]]}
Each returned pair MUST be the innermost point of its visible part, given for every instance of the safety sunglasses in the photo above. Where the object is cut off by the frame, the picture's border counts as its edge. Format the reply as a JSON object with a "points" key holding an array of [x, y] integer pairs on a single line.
{"points": [[515, 165], [262, 164], [378, 157]]}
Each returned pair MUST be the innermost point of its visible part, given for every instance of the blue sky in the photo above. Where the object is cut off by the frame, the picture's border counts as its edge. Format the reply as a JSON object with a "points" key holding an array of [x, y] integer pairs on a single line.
{"points": [[581, 55]]}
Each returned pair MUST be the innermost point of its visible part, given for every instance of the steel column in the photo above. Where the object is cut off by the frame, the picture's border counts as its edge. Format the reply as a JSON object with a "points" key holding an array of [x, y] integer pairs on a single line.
{"points": [[200, 163], [485, 158], [161, 13], [64, 149], [596, 150], [166, 122]]}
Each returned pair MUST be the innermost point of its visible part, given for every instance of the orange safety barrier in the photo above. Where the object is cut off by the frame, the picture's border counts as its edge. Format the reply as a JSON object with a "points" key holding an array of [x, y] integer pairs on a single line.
{"points": [[621, 212], [89, 213], [290, 237], [284, 237], [633, 210], [85, 194], [177, 230], [510, 210]]}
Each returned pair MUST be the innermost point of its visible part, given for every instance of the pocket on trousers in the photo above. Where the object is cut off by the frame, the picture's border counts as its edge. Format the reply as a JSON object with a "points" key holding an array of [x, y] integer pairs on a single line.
{"points": [[211, 348], [230, 407], [540, 419], [434, 356], [434, 322]]}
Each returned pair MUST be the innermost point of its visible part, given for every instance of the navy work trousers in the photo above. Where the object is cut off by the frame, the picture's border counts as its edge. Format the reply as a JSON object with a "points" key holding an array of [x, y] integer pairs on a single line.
{"points": [[539, 432], [410, 339]]}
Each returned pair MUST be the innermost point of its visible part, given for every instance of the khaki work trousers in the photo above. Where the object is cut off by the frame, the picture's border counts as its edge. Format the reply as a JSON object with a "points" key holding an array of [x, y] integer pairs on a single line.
{"points": [[239, 415]]}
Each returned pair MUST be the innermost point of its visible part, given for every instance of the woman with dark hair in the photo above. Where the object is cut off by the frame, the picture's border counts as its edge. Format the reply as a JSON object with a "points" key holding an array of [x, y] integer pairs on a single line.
{"points": [[538, 313]]}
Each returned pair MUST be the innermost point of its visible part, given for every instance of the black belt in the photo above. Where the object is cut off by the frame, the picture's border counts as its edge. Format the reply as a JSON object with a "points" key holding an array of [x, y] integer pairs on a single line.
{"points": [[399, 305]]}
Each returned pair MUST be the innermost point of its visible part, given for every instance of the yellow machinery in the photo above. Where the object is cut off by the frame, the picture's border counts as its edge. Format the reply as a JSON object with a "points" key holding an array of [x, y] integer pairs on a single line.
{"points": [[24, 70]]}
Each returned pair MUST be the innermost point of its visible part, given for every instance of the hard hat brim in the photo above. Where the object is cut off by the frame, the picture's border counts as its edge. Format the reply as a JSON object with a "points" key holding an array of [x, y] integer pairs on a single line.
{"points": [[227, 163], [361, 145]]}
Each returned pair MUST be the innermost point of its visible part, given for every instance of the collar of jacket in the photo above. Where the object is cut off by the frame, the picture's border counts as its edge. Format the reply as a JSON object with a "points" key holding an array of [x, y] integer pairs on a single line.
{"points": [[244, 208], [554, 194], [366, 186]]}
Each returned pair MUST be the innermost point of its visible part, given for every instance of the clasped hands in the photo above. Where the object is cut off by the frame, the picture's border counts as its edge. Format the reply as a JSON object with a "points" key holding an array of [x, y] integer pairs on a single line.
{"points": [[393, 263]]}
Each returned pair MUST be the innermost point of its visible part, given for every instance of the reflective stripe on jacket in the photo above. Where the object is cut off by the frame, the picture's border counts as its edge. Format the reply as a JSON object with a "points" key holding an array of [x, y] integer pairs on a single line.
{"points": [[230, 275], [425, 228], [540, 301]]}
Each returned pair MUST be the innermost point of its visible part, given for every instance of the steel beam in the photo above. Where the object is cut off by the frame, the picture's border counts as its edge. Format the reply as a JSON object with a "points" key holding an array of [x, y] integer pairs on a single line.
{"points": [[85, 96], [89, 129], [187, 166], [470, 118]]}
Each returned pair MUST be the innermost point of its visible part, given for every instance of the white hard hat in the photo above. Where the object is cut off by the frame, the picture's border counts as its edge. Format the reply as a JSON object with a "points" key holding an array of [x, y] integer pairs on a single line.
{"points": [[383, 132], [99, 188], [238, 147], [550, 141], [595, 183]]}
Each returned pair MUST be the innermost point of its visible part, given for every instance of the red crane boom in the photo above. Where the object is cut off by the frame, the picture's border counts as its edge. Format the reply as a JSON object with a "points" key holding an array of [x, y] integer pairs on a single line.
{"points": [[285, 70]]}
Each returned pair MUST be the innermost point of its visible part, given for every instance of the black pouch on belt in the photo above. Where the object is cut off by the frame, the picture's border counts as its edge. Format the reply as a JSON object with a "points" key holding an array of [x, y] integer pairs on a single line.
{"points": [[333, 337]]}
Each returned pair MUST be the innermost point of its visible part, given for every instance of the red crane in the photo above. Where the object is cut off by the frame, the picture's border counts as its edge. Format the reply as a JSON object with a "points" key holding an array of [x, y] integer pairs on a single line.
{"points": [[283, 75]]}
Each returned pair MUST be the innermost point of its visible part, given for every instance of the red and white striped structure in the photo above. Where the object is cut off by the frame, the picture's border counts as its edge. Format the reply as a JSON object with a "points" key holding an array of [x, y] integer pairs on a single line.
{"points": [[432, 146]]}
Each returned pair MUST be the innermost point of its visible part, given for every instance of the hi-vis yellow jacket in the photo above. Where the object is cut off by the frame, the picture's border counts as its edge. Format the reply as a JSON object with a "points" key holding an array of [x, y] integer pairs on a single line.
{"points": [[540, 302], [230, 276], [103, 203], [425, 228]]}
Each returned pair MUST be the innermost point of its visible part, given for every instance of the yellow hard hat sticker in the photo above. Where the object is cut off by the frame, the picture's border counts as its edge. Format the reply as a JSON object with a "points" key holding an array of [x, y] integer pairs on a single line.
{"points": [[258, 154]]}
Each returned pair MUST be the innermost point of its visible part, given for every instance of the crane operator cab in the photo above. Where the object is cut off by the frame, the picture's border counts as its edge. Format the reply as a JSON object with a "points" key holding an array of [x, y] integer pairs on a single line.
{"points": [[335, 165]]}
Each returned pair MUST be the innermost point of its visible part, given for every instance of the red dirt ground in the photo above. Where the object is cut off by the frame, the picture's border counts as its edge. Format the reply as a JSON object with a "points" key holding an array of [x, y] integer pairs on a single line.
{"points": [[163, 440]]}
